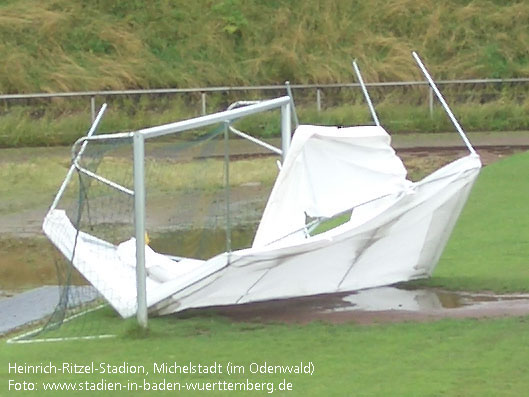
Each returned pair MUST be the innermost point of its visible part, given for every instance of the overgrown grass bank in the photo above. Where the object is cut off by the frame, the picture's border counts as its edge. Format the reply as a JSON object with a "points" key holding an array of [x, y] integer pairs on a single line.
{"points": [[63, 45], [60, 45], [29, 126]]}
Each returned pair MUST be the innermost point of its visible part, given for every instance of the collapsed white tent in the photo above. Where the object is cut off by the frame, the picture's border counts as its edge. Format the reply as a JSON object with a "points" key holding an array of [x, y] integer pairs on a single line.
{"points": [[387, 229], [396, 231]]}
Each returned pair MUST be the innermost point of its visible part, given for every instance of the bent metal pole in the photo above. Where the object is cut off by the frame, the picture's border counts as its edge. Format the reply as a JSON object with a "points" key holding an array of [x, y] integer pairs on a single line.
{"points": [[76, 157], [366, 94], [443, 102]]}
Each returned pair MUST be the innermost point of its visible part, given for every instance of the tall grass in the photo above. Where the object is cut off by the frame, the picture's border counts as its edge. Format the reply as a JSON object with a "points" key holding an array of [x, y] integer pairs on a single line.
{"points": [[64, 45], [52, 125], [60, 45]]}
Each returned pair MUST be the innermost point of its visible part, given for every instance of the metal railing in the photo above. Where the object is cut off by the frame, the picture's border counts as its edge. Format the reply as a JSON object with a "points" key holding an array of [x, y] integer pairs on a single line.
{"points": [[203, 91]]}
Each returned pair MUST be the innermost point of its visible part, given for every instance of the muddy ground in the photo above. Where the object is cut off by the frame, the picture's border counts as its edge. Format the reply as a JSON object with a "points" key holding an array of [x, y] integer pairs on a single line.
{"points": [[27, 261], [379, 305], [419, 162]]}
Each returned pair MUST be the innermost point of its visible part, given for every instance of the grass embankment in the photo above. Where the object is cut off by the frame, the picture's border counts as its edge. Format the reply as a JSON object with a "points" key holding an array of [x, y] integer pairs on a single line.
{"points": [[65, 46]]}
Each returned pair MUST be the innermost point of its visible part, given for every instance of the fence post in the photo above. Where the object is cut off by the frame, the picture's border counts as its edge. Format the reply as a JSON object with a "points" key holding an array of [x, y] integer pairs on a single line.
{"points": [[430, 101], [203, 99], [93, 108], [318, 99]]}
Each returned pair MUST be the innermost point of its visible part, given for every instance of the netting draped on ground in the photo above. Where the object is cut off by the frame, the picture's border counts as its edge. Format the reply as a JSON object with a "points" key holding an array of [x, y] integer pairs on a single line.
{"points": [[205, 192]]}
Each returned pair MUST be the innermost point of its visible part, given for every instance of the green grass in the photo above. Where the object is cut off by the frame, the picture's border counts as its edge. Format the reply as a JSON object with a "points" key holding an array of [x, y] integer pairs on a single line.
{"points": [[489, 249], [23, 126], [25, 184], [30, 177], [60, 45], [448, 357], [65, 45]]}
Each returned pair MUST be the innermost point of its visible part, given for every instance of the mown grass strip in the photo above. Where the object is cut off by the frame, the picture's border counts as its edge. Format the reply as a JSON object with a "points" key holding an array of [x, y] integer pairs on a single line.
{"points": [[446, 357], [489, 249]]}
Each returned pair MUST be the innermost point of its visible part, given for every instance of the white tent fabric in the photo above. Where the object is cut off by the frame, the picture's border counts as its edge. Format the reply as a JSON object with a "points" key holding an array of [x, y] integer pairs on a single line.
{"points": [[329, 170], [400, 243], [396, 232], [112, 269]]}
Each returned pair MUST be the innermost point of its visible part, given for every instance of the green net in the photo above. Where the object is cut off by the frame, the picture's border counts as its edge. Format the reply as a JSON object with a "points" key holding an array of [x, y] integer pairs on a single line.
{"points": [[205, 193]]}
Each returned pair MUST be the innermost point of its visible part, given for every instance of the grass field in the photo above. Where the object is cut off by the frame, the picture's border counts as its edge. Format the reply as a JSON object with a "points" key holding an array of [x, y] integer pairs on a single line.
{"points": [[448, 357], [489, 248], [60, 45]]}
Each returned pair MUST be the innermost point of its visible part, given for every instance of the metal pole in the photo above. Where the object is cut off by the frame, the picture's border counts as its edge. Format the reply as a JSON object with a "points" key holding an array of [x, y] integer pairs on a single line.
{"points": [[215, 118], [430, 101], [255, 140], [93, 108], [366, 94], [286, 130], [443, 102], [318, 99], [91, 131], [227, 185], [203, 99], [139, 227], [293, 106]]}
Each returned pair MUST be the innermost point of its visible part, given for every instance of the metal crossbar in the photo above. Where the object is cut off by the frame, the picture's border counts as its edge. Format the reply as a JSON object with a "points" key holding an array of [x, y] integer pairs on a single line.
{"points": [[255, 88]]}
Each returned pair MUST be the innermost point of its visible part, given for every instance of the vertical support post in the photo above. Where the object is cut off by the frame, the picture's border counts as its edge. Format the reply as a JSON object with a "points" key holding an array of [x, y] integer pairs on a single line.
{"points": [[203, 100], [318, 99], [292, 105], [227, 184], [430, 101], [139, 227], [93, 108], [286, 130]]}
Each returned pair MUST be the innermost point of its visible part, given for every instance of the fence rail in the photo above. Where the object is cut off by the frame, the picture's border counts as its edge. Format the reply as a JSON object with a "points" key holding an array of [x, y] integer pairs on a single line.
{"points": [[230, 89]]}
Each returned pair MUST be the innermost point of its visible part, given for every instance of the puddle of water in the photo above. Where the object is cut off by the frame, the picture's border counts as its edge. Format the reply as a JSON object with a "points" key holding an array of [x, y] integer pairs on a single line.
{"points": [[202, 243], [382, 299], [392, 298], [205, 243]]}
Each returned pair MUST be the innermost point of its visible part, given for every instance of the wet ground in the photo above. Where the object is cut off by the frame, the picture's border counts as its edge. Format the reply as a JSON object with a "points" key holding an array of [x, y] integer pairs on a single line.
{"points": [[419, 162], [19, 229], [384, 304], [18, 310], [375, 305]]}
